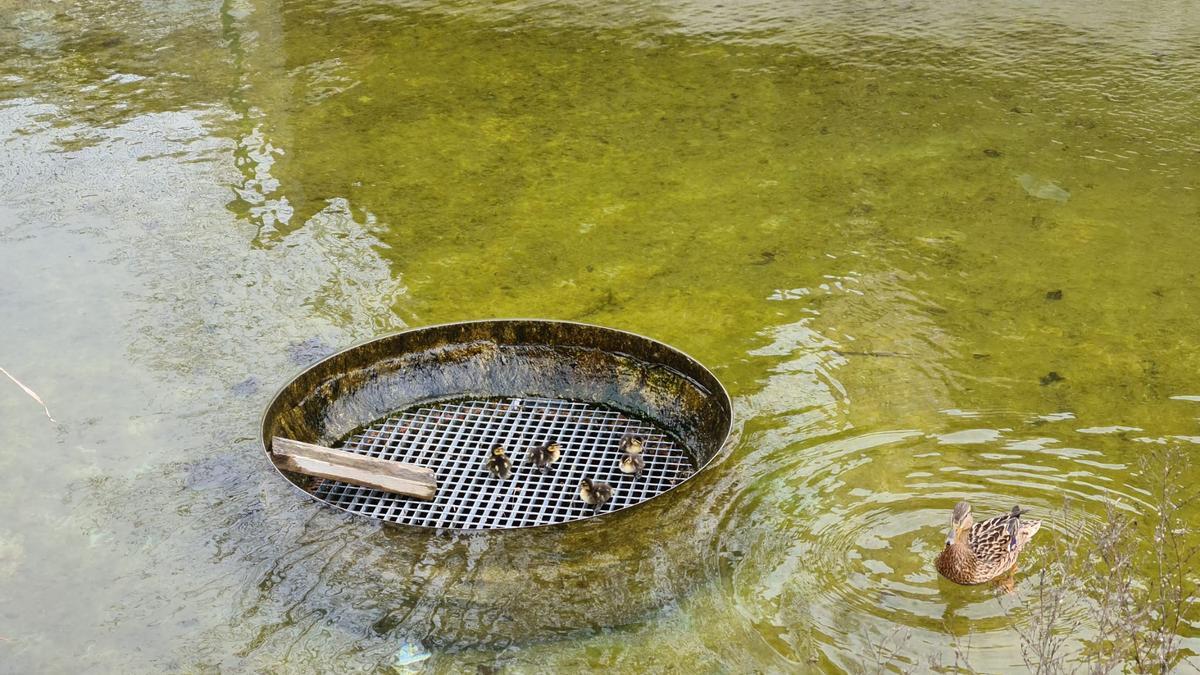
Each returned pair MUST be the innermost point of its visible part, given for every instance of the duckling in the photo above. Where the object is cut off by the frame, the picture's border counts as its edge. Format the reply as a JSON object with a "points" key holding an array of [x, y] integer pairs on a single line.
{"points": [[632, 444], [979, 552], [542, 456], [499, 465], [632, 464], [594, 494]]}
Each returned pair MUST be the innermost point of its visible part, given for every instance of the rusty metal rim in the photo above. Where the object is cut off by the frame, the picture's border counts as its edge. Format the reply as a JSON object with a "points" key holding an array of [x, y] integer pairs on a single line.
{"points": [[720, 391]]}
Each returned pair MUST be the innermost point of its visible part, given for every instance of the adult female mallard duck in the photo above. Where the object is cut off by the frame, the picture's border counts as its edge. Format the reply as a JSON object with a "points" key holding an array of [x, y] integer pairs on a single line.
{"points": [[979, 552]]}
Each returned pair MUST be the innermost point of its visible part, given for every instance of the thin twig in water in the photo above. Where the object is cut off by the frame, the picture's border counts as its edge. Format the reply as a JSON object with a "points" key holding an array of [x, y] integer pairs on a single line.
{"points": [[887, 657], [841, 352], [31, 393], [1046, 633], [1139, 601], [962, 654]]}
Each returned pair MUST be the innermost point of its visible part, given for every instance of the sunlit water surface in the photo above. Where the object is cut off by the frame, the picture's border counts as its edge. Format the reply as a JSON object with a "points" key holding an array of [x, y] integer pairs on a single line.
{"points": [[934, 249]]}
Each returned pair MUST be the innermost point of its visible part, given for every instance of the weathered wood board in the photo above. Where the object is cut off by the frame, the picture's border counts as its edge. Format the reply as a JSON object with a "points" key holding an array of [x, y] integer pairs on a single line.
{"points": [[382, 474]]}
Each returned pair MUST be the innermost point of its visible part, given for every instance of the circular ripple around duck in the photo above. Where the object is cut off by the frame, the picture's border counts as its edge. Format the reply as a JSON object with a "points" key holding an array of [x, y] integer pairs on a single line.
{"points": [[850, 528]]}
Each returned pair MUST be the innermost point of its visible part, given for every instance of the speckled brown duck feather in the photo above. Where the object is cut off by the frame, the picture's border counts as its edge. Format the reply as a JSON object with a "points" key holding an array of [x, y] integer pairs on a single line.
{"points": [[979, 552]]}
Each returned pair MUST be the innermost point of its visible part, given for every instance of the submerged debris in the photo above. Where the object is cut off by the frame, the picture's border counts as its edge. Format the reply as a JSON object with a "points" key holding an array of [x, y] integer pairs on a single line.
{"points": [[407, 658], [309, 351], [247, 387], [1042, 189], [1051, 377], [765, 258], [31, 393]]}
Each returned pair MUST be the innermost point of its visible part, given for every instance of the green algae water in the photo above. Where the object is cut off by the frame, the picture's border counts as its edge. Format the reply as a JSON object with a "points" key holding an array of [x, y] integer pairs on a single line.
{"points": [[934, 250]]}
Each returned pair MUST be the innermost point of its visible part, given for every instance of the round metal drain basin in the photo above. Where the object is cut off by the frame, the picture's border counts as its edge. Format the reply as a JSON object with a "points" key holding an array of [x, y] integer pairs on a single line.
{"points": [[442, 396]]}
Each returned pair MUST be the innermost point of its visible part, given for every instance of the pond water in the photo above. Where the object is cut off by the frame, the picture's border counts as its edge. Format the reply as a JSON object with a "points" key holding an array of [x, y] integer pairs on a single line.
{"points": [[935, 250]]}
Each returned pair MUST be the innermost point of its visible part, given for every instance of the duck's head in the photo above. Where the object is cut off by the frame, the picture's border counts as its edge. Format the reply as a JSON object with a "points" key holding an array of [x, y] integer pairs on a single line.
{"points": [[633, 444], [498, 451], [585, 489], [960, 520], [554, 449]]}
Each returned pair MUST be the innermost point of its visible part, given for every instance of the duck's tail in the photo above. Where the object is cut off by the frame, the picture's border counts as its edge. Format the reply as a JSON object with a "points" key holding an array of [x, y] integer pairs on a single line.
{"points": [[1025, 531]]}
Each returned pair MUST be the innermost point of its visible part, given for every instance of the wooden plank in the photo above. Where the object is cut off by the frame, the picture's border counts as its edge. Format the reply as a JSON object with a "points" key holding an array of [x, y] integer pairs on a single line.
{"points": [[411, 472], [382, 474], [314, 467]]}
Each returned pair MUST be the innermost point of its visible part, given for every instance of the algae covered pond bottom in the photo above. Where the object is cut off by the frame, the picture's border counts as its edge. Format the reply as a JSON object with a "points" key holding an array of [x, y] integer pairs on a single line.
{"points": [[456, 440], [934, 250]]}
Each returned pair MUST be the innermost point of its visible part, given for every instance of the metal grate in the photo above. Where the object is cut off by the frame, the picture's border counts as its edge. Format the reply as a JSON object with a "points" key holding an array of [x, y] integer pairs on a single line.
{"points": [[454, 439]]}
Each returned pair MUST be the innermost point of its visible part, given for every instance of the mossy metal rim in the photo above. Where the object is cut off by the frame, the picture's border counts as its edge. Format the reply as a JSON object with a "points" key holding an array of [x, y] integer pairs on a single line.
{"points": [[714, 385]]}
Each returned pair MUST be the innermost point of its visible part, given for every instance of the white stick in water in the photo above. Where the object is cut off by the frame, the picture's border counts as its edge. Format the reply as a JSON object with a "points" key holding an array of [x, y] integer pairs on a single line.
{"points": [[31, 393]]}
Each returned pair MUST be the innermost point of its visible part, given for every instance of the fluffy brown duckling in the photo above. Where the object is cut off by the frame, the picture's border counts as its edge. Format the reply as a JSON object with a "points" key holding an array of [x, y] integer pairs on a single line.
{"points": [[498, 464], [632, 444], [979, 552], [542, 456], [594, 494], [632, 464]]}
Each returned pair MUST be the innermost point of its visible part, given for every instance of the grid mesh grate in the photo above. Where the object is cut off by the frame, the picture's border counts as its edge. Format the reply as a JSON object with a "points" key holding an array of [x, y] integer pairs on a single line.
{"points": [[454, 439]]}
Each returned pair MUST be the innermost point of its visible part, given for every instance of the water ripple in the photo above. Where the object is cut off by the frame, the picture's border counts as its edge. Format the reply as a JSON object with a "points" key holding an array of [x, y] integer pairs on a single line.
{"points": [[838, 537]]}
